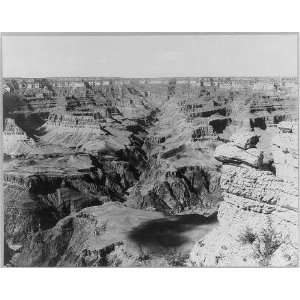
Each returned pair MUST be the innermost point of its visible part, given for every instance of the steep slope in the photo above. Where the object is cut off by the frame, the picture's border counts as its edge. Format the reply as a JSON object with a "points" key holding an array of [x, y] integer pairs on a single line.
{"points": [[77, 162], [15, 140], [114, 235], [180, 176]]}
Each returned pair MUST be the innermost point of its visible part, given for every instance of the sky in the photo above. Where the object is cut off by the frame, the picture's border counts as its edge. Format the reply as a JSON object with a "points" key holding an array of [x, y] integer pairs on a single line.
{"points": [[137, 55]]}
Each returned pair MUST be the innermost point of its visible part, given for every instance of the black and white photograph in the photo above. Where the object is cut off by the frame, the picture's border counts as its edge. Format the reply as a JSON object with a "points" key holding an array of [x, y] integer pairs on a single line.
{"points": [[149, 150]]}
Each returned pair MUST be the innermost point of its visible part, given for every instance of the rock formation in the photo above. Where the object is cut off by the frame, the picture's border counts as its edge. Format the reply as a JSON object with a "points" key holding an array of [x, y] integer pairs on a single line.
{"points": [[15, 140], [285, 151], [112, 235], [258, 220], [127, 172], [179, 178]]}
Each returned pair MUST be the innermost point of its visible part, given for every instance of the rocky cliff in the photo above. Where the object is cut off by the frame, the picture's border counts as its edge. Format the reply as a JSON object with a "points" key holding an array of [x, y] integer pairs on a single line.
{"points": [[15, 141], [178, 176], [76, 162], [259, 216]]}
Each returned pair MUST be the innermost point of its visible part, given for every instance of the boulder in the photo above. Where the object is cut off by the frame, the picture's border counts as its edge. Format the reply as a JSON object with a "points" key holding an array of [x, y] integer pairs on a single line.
{"points": [[245, 139], [230, 153], [286, 126]]}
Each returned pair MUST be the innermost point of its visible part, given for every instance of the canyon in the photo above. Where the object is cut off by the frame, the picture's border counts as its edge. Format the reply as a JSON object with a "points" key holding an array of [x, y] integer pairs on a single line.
{"points": [[151, 172]]}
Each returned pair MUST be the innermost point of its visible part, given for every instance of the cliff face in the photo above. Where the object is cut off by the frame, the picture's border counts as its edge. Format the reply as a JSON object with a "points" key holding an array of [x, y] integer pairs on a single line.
{"points": [[285, 151], [185, 189], [40, 191], [79, 160], [259, 216], [15, 140], [37, 195], [178, 177]]}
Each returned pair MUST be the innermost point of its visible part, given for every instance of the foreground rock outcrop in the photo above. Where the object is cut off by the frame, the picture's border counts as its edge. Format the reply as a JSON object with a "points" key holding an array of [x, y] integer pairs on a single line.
{"points": [[258, 218], [113, 235]]}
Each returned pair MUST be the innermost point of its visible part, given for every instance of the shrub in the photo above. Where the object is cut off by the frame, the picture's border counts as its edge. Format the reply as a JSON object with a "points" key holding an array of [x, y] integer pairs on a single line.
{"points": [[177, 259], [267, 242], [247, 237]]}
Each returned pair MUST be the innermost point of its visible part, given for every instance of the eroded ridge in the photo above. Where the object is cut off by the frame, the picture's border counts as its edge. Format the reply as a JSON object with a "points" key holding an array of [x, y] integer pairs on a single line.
{"points": [[150, 172]]}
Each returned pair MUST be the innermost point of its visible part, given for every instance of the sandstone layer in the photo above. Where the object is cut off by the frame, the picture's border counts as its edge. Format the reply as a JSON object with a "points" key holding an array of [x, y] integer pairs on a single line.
{"points": [[258, 220]]}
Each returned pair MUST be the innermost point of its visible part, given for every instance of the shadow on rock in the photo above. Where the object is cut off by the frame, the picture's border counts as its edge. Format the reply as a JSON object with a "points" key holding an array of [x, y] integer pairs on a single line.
{"points": [[168, 232]]}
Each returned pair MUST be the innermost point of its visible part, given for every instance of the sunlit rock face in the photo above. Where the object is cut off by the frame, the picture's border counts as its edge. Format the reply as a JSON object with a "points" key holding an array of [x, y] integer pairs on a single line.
{"points": [[259, 215], [245, 139], [15, 140], [285, 151], [230, 153]]}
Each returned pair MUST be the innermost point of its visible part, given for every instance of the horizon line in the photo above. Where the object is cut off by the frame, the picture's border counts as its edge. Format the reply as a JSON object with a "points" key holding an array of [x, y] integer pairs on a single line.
{"points": [[156, 77]]}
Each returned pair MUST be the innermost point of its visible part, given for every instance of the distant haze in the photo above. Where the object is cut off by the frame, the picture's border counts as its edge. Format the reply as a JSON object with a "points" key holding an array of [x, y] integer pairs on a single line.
{"points": [[149, 55]]}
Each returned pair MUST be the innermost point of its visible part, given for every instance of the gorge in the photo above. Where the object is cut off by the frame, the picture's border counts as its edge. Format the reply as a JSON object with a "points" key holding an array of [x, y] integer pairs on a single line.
{"points": [[144, 172]]}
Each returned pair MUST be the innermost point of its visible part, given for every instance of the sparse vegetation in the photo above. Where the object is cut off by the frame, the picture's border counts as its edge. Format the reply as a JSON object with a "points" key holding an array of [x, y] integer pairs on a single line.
{"points": [[247, 237], [266, 243], [219, 258], [176, 259]]}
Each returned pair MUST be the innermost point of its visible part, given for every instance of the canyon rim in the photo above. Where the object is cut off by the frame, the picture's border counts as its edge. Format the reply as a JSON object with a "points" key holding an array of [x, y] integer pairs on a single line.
{"points": [[150, 164]]}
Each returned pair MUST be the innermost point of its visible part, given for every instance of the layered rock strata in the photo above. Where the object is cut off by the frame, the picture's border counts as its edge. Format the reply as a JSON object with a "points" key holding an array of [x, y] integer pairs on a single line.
{"points": [[98, 145], [181, 175], [258, 218], [15, 140], [77, 162]]}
